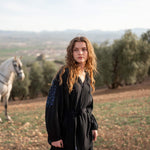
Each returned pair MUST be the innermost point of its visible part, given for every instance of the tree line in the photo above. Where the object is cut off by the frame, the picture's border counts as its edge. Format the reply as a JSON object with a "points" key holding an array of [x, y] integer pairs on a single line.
{"points": [[38, 77], [126, 61]]}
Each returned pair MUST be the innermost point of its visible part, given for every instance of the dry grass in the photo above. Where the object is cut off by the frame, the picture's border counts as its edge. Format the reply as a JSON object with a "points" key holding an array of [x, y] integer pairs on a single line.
{"points": [[124, 125], [122, 115]]}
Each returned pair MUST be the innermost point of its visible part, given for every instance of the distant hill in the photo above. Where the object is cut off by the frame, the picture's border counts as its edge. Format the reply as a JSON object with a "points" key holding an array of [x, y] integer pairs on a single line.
{"points": [[97, 36], [51, 43]]}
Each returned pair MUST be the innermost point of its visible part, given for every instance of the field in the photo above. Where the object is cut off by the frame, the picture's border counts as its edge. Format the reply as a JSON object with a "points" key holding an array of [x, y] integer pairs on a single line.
{"points": [[123, 116]]}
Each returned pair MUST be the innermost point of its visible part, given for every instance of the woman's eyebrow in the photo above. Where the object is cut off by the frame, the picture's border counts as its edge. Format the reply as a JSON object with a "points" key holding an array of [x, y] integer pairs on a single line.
{"points": [[80, 47]]}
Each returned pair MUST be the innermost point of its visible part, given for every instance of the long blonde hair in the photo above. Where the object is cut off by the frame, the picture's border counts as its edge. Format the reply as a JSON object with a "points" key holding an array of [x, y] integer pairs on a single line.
{"points": [[73, 67]]}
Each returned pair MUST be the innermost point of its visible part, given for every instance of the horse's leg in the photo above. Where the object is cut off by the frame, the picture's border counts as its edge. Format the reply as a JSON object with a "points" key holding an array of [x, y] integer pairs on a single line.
{"points": [[6, 105], [0, 101]]}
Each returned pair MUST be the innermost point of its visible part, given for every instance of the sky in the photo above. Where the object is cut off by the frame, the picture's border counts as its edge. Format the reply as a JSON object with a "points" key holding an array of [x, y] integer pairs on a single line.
{"points": [[50, 15]]}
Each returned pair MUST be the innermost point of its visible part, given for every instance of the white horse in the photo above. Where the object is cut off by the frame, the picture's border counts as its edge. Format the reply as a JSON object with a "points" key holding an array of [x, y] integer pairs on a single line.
{"points": [[8, 69]]}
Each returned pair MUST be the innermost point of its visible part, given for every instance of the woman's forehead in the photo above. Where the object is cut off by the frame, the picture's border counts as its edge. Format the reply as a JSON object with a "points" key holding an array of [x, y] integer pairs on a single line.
{"points": [[79, 44]]}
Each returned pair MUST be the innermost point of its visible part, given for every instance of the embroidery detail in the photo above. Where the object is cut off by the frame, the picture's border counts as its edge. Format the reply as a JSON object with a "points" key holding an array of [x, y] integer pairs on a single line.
{"points": [[51, 95]]}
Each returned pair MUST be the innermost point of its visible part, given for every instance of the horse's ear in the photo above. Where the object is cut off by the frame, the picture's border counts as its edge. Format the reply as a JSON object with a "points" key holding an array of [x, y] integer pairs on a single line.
{"points": [[15, 58], [20, 57]]}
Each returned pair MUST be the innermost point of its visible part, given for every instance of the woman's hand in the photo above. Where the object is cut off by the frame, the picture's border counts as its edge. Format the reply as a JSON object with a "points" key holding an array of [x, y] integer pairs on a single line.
{"points": [[58, 144], [94, 134]]}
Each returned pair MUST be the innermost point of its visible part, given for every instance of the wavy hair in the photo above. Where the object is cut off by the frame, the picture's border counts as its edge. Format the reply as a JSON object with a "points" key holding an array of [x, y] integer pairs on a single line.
{"points": [[72, 65]]}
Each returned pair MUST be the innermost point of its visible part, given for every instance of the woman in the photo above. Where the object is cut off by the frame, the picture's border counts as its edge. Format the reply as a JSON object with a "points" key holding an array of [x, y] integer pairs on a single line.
{"points": [[69, 120]]}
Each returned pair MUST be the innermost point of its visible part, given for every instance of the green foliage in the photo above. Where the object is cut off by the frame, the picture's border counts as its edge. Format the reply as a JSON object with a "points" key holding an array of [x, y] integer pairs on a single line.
{"points": [[146, 36], [104, 65], [36, 78], [126, 61], [49, 70], [41, 57], [20, 89], [124, 51]]}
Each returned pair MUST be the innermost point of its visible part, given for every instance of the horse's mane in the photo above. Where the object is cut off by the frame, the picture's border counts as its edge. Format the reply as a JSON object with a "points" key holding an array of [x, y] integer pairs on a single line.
{"points": [[6, 61], [10, 59]]}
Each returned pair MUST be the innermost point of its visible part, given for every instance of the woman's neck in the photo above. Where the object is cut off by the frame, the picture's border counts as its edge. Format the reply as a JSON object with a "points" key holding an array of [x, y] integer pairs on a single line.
{"points": [[82, 68]]}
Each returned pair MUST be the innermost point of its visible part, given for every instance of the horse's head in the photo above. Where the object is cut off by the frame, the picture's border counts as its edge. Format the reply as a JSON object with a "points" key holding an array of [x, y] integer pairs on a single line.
{"points": [[17, 64]]}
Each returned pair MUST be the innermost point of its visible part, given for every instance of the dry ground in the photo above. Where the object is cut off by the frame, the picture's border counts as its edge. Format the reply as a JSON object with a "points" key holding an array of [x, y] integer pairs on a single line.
{"points": [[28, 129]]}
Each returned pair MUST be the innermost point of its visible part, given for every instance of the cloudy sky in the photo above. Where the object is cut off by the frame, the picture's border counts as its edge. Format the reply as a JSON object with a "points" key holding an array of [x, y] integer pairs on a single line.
{"points": [[39, 15]]}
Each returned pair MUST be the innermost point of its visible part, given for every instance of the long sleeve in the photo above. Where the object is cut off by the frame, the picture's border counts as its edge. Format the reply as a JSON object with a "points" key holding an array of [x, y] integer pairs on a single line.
{"points": [[94, 125], [54, 111]]}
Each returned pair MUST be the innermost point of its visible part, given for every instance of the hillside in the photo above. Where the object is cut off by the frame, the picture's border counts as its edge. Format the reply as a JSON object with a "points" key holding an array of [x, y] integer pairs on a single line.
{"points": [[122, 115]]}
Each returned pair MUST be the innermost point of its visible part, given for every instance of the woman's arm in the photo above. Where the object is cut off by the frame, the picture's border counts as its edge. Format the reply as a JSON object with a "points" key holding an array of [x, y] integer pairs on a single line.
{"points": [[54, 111]]}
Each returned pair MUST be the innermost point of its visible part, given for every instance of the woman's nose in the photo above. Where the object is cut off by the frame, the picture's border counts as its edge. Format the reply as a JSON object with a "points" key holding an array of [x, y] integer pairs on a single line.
{"points": [[80, 52]]}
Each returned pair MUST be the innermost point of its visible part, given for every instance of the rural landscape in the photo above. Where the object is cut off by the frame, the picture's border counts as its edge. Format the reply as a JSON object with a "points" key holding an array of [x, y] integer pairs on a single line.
{"points": [[121, 99]]}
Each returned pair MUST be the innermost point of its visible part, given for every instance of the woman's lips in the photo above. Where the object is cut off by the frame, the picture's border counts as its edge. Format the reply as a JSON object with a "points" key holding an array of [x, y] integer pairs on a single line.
{"points": [[80, 57]]}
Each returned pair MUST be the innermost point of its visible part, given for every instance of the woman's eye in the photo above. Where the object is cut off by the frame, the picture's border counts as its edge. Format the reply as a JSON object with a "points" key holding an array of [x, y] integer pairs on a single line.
{"points": [[75, 50], [84, 49]]}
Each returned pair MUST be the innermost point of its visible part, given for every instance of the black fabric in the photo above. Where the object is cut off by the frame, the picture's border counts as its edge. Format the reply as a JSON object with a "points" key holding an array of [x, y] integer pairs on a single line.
{"points": [[69, 116]]}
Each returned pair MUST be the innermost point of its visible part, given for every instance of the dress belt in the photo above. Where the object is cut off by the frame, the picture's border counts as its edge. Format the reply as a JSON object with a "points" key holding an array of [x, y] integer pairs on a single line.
{"points": [[78, 113]]}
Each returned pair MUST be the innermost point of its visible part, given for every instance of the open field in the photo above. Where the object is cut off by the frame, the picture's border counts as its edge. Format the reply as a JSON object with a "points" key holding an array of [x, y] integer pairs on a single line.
{"points": [[122, 115]]}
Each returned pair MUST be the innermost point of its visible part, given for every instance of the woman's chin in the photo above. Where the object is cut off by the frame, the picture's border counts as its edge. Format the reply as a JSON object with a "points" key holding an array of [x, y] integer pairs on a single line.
{"points": [[81, 61]]}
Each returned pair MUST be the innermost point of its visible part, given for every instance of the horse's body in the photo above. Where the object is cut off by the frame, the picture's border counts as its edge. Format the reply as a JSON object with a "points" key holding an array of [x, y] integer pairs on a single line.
{"points": [[8, 69]]}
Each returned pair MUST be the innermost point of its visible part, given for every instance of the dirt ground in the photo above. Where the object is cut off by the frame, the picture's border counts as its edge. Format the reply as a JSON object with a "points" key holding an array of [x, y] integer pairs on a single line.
{"points": [[100, 96], [123, 93]]}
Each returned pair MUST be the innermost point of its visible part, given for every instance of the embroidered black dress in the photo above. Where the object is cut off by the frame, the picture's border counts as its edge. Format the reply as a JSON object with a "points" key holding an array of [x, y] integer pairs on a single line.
{"points": [[69, 116]]}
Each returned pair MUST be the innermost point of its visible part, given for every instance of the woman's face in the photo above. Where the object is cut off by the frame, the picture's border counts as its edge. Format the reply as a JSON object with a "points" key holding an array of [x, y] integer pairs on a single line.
{"points": [[80, 52]]}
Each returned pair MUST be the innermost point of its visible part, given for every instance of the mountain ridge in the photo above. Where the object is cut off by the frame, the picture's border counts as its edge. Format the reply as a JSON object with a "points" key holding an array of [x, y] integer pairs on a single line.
{"points": [[96, 36]]}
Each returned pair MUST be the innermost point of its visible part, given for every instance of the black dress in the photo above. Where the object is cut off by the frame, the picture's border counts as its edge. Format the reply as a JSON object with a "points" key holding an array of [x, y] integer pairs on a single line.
{"points": [[69, 116]]}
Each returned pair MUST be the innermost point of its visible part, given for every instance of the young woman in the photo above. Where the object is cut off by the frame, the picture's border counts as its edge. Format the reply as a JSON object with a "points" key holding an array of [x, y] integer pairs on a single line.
{"points": [[69, 120]]}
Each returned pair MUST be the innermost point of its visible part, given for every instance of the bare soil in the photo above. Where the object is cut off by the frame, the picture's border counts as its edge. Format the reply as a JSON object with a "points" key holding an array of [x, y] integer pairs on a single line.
{"points": [[123, 93], [100, 96]]}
